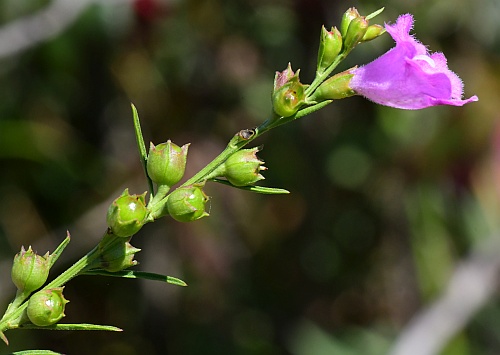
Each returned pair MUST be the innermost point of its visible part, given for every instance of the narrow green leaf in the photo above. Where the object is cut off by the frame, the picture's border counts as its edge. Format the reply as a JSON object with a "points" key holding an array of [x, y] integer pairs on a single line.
{"points": [[267, 190], [36, 352], [257, 189], [57, 253], [376, 13], [4, 338], [79, 326], [130, 274], [141, 146]]}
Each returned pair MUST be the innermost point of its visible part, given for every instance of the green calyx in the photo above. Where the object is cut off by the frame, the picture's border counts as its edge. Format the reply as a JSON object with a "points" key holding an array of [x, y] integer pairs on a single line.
{"points": [[243, 167], [46, 307], [373, 32], [166, 163], [289, 93], [127, 214], [119, 257], [347, 18], [30, 270], [187, 203], [335, 87], [355, 32], [330, 45]]}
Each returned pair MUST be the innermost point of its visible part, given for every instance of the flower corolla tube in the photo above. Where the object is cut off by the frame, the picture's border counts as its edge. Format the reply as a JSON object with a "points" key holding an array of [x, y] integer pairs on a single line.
{"points": [[408, 76]]}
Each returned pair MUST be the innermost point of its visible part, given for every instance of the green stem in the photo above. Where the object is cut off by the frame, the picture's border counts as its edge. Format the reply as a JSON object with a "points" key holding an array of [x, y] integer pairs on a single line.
{"points": [[245, 136], [320, 77], [18, 300], [13, 320], [239, 140]]}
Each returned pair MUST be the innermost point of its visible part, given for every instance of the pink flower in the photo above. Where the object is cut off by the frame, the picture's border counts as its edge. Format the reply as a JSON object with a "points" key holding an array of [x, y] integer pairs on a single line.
{"points": [[407, 76]]}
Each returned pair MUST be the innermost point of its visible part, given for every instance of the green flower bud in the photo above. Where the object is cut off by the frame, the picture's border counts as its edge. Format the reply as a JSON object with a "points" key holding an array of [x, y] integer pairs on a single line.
{"points": [[373, 32], [355, 32], [289, 92], [348, 16], [166, 163], [127, 214], [330, 45], [335, 87], [187, 203], [120, 257], [29, 270], [243, 167], [46, 307]]}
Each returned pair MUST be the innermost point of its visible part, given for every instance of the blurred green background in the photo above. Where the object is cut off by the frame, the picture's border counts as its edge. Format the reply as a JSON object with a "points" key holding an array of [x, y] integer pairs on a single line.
{"points": [[384, 203]]}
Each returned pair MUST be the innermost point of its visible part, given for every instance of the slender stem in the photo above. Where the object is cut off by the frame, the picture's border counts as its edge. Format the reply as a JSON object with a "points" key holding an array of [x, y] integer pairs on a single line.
{"points": [[239, 140], [320, 77], [245, 136], [12, 320], [9, 321]]}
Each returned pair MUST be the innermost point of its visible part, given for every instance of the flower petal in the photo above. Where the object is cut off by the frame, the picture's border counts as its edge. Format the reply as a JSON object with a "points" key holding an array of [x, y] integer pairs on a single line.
{"points": [[407, 76]]}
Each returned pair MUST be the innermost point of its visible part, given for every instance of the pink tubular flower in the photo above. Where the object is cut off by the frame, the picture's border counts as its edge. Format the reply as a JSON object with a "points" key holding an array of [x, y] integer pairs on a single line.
{"points": [[407, 76]]}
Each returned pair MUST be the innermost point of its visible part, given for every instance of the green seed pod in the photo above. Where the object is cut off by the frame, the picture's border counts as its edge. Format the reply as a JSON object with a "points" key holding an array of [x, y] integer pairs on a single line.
{"points": [[29, 270], [166, 163], [289, 93], [187, 203], [127, 214], [120, 257], [330, 45], [243, 167], [46, 307], [288, 99]]}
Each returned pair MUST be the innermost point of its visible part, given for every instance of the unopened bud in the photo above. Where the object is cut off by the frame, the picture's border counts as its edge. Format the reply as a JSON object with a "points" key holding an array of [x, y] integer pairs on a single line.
{"points": [[330, 45], [127, 214], [355, 32], [336, 87], [348, 16], [46, 307], [166, 163], [187, 203], [243, 167], [373, 32], [30, 270]]}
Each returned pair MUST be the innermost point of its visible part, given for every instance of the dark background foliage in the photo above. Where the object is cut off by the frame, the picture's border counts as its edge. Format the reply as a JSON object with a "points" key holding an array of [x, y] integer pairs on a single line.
{"points": [[383, 202]]}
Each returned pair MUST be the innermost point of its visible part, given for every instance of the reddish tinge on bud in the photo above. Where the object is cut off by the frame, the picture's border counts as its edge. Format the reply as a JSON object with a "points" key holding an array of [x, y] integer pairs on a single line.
{"points": [[281, 78], [348, 16], [289, 92], [330, 45]]}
